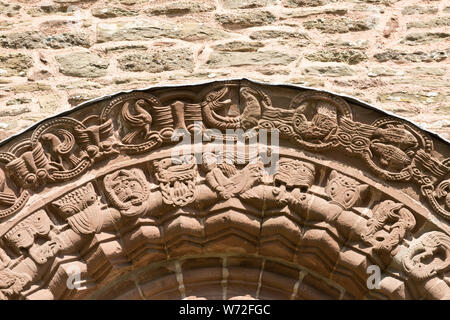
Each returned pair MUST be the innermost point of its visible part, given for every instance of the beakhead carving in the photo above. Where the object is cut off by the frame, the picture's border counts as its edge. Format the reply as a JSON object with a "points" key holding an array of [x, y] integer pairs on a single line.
{"points": [[344, 191]]}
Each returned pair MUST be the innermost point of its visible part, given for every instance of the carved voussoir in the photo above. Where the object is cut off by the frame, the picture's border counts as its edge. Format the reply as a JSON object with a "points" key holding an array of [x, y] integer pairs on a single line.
{"points": [[344, 187]]}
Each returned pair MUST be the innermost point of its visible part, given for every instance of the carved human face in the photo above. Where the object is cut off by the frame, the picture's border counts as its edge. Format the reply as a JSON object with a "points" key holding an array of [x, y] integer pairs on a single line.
{"points": [[127, 189], [294, 174]]}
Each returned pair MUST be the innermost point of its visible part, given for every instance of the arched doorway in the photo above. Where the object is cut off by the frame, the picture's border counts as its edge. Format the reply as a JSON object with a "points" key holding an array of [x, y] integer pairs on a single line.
{"points": [[230, 189]]}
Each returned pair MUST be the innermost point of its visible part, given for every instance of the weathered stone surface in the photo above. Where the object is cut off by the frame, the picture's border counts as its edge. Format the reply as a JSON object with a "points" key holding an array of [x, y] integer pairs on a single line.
{"points": [[339, 25], [34, 39], [239, 46], [193, 31], [278, 34], [180, 7], [9, 9], [245, 19], [82, 64], [414, 39], [158, 61], [444, 110], [304, 3], [39, 75], [437, 22], [234, 59], [421, 97], [79, 84], [45, 9], [112, 12], [416, 9], [132, 2], [49, 102], [15, 64], [14, 110], [358, 44], [423, 82], [417, 56], [384, 2], [18, 101], [125, 47], [143, 30], [304, 12], [349, 56], [329, 70], [428, 71], [308, 81], [76, 99], [31, 87], [384, 71], [245, 4]]}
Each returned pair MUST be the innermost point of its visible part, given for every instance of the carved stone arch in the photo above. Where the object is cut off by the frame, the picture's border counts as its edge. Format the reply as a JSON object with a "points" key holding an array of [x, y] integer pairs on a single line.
{"points": [[339, 201]]}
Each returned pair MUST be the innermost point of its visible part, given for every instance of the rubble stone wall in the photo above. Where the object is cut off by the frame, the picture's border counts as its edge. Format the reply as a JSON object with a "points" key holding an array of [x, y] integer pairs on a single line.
{"points": [[57, 54]]}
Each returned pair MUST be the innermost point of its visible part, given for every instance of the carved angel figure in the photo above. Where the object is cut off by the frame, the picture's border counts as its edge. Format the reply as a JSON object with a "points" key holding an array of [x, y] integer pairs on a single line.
{"points": [[428, 256], [388, 225]]}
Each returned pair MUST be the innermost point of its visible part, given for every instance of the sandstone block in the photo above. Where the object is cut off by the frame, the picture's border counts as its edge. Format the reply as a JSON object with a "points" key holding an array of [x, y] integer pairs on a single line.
{"points": [[339, 25], [234, 59], [349, 56], [245, 19], [158, 61], [82, 64], [15, 64]]}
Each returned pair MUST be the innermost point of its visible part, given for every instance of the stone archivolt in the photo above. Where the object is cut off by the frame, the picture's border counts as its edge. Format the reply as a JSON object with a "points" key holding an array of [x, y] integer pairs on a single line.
{"points": [[99, 191]]}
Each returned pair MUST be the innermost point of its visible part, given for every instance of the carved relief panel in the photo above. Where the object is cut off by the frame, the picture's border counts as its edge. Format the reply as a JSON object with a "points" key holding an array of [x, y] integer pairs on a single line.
{"points": [[103, 177]]}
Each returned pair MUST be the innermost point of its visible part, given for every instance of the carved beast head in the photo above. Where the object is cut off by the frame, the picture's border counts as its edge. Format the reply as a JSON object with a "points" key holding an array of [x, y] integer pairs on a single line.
{"points": [[343, 190]]}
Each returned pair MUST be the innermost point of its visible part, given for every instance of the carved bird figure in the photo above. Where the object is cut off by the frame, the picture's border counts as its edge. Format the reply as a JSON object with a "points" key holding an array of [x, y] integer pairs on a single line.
{"points": [[140, 122], [252, 112], [61, 144]]}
